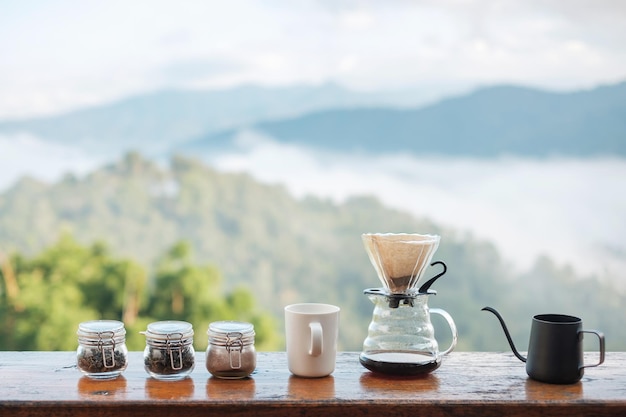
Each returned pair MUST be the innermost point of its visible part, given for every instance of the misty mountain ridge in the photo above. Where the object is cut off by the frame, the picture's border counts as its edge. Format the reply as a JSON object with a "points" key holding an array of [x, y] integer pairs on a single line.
{"points": [[491, 121], [164, 119]]}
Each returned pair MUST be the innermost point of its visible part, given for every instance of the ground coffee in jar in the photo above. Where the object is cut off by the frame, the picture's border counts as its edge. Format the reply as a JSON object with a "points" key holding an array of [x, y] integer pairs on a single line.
{"points": [[102, 352], [169, 353], [231, 353]]}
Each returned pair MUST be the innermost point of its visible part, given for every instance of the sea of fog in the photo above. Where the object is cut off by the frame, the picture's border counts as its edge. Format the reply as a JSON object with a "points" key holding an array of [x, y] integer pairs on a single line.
{"points": [[573, 210], [24, 154]]}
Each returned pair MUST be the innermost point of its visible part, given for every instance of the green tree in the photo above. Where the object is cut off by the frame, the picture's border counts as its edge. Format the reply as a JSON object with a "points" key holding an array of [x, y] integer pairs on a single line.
{"points": [[43, 299], [185, 291], [47, 297]]}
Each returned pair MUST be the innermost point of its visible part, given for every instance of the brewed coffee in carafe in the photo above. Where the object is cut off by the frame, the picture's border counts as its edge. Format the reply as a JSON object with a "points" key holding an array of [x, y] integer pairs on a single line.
{"points": [[401, 338]]}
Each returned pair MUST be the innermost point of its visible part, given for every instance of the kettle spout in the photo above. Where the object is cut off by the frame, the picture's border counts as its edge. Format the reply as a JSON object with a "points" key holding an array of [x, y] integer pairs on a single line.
{"points": [[506, 332]]}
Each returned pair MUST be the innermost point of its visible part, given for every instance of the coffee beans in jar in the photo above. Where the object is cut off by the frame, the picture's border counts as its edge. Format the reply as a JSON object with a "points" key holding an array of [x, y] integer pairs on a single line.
{"points": [[169, 353], [231, 353], [102, 352]]}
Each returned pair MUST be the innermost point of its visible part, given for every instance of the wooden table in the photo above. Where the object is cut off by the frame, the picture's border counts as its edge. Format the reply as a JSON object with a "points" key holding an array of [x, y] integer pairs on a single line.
{"points": [[469, 384]]}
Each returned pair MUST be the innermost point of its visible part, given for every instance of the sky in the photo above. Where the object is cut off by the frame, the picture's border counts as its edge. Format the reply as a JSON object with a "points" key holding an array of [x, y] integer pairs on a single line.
{"points": [[56, 56], [61, 55]]}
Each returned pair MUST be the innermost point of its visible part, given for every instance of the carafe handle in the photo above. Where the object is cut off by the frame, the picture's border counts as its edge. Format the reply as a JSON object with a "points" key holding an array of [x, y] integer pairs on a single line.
{"points": [[448, 318]]}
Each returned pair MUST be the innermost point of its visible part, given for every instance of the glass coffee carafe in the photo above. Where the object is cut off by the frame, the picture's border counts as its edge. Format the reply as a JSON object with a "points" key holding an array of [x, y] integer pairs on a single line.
{"points": [[401, 338]]}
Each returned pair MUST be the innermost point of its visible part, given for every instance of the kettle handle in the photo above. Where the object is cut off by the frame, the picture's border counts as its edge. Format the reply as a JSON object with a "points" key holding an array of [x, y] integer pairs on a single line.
{"points": [[506, 332], [601, 339], [448, 318]]}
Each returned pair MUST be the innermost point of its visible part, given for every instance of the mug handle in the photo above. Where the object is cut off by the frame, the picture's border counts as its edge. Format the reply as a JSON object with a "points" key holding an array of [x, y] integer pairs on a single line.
{"points": [[316, 339], [448, 318], [601, 338]]}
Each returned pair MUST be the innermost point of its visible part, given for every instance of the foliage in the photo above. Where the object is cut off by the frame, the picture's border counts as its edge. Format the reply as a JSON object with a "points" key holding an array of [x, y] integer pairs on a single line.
{"points": [[43, 299], [268, 247]]}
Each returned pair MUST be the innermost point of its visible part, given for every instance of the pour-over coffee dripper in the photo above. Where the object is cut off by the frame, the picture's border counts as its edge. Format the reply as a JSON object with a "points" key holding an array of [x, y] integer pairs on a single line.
{"points": [[400, 259], [401, 339]]}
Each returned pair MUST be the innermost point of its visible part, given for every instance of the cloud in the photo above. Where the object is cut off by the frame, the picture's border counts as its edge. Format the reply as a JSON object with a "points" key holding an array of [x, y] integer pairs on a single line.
{"points": [[57, 56], [570, 209], [24, 154], [197, 71]]}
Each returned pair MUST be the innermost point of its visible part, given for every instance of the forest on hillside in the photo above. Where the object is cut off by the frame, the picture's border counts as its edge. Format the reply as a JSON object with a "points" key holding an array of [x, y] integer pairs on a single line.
{"points": [[124, 240], [44, 298]]}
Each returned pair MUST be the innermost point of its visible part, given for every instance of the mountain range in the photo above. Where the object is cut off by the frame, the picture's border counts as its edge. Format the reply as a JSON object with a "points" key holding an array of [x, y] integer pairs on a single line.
{"points": [[161, 120], [502, 120], [487, 122]]}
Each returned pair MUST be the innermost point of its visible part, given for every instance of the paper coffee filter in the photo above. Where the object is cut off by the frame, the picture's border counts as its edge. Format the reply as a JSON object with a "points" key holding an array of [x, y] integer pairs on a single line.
{"points": [[400, 259]]}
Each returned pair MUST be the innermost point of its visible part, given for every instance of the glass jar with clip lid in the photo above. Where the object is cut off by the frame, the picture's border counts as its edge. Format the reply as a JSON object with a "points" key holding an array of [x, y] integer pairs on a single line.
{"points": [[231, 353], [169, 353], [102, 352]]}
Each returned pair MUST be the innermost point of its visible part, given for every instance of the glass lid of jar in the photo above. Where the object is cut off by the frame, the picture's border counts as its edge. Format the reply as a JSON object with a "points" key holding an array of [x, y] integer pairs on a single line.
{"points": [[225, 327], [163, 329], [101, 326]]}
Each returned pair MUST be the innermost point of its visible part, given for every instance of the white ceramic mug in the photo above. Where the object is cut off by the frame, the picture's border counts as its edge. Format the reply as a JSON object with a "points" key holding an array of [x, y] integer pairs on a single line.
{"points": [[311, 331]]}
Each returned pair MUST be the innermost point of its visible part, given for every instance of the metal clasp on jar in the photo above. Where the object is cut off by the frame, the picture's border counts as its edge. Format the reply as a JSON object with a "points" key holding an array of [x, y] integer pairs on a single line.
{"points": [[104, 347], [170, 350], [234, 346]]}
